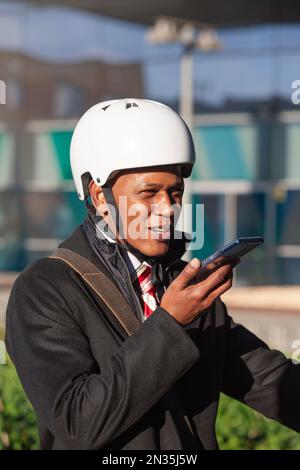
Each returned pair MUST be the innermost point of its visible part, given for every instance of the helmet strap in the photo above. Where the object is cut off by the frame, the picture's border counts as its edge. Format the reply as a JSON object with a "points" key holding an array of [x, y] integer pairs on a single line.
{"points": [[123, 243]]}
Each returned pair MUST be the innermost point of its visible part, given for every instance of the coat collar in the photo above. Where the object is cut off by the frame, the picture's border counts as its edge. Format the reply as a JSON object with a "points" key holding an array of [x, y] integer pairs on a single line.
{"points": [[79, 243]]}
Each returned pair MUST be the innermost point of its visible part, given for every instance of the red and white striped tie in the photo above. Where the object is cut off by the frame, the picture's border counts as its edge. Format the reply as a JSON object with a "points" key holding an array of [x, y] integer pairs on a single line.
{"points": [[148, 292]]}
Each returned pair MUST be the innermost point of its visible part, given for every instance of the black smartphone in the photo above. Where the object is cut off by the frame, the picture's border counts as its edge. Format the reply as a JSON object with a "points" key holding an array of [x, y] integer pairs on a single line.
{"points": [[235, 249]]}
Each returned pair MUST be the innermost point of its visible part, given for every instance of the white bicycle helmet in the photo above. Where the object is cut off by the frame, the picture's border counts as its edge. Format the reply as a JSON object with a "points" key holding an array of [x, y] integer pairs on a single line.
{"points": [[124, 134]]}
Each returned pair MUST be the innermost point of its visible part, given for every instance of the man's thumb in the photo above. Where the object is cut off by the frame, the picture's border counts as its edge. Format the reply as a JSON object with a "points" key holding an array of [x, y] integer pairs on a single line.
{"points": [[195, 263]]}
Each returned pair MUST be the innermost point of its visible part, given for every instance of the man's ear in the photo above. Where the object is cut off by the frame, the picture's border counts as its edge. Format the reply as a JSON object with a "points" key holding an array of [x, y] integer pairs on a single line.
{"points": [[98, 198]]}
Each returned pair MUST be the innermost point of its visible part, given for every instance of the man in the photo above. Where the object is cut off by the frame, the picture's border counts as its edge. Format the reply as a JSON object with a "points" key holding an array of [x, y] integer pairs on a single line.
{"points": [[93, 386]]}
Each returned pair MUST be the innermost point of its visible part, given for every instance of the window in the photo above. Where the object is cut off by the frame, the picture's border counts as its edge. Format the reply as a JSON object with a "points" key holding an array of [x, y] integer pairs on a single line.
{"points": [[69, 100]]}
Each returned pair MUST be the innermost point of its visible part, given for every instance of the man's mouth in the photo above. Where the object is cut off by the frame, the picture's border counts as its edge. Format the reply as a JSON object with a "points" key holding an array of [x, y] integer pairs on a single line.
{"points": [[166, 228], [161, 232]]}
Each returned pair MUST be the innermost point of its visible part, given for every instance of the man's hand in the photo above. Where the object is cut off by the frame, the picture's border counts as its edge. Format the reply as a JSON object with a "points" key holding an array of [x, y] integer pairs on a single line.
{"points": [[184, 300]]}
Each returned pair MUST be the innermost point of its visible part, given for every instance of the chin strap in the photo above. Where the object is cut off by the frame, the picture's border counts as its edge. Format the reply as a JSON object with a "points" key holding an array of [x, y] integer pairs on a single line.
{"points": [[154, 261]]}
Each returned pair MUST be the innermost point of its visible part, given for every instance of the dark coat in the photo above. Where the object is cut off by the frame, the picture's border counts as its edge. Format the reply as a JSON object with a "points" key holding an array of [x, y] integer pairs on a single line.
{"points": [[92, 387]]}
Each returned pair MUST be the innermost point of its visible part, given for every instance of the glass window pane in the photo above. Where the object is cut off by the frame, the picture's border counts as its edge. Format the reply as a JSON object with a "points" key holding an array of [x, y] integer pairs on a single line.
{"points": [[288, 270], [7, 160], [250, 214], [213, 224], [51, 214], [11, 249], [227, 152], [250, 223], [69, 99], [288, 219], [292, 151], [51, 161]]}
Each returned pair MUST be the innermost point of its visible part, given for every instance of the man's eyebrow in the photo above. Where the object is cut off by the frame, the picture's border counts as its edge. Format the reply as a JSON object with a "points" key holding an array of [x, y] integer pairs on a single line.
{"points": [[178, 185], [152, 185]]}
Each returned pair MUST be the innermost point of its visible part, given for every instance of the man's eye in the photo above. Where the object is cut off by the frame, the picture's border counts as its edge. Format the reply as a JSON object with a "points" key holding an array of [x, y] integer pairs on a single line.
{"points": [[148, 191], [177, 192], [152, 192]]}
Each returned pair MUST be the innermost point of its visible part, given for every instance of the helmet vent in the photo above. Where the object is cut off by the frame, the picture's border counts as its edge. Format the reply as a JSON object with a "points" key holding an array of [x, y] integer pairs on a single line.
{"points": [[131, 105], [105, 107]]}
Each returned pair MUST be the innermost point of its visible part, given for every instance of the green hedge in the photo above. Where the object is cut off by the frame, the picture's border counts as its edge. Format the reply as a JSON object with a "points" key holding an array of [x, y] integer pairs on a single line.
{"points": [[17, 419], [238, 427]]}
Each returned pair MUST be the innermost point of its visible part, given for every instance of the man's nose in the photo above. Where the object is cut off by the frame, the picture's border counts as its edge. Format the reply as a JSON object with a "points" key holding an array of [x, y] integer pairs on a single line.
{"points": [[165, 205]]}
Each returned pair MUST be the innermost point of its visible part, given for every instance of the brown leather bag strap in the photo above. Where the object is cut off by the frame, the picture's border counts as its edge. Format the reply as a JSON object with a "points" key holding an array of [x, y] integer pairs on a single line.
{"points": [[104, 288]]}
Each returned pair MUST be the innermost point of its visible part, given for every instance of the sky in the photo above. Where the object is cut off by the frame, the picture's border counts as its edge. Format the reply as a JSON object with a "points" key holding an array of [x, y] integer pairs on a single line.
{"points": [[255, 62]]}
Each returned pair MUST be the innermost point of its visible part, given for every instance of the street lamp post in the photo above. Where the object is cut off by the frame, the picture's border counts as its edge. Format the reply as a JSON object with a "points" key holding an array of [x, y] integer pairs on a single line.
{"points": [[186, 96], [192, 36]]}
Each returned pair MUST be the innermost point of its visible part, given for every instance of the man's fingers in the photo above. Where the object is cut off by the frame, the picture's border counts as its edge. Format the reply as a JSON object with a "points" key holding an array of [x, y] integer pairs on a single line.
{"points": [[221, 289], [217, 276], [214, 279], [188, 273]]}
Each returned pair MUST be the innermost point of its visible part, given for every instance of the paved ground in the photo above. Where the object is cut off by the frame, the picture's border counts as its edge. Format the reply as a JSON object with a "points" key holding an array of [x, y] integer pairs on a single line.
{"points": [[271, 312], [279, 330], [273, 298]]}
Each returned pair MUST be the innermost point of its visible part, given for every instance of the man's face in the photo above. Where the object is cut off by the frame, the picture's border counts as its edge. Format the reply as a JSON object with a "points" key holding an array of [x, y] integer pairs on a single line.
{"points": [[148, 200]]}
